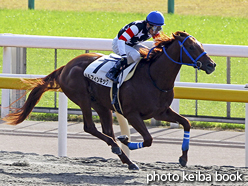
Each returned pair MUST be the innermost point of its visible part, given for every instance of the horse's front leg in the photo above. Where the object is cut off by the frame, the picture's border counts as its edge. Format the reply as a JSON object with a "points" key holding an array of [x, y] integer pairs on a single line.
{"points": [[171, 116]]}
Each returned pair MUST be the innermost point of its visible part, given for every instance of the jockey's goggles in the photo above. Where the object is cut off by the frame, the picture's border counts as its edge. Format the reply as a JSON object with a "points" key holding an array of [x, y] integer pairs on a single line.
{"points": [[156, 29]]}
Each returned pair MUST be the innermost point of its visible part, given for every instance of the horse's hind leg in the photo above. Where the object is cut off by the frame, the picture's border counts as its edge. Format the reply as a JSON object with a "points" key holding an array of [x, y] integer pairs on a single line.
{"points": [[107, 127], [90, 127], [172, 116]]}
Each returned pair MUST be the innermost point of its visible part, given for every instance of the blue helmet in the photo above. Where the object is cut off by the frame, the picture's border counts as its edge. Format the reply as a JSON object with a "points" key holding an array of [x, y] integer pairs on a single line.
{"points": [[155, 18]]}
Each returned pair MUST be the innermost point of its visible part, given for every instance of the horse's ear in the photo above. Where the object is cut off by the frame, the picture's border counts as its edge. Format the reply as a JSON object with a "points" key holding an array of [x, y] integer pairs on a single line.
{"points": [[175, 35]]}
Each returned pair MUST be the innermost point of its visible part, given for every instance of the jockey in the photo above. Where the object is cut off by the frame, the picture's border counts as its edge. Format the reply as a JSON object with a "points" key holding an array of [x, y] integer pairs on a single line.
{"points": [[126, 43]]}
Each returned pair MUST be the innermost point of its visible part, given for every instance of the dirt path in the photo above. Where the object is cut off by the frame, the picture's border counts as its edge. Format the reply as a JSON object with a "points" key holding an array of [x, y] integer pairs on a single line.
{"points": [[18, 168]]}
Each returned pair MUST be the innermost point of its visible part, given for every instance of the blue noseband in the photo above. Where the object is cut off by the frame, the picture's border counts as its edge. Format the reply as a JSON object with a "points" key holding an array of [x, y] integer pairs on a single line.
{"points": [[195, 64]]}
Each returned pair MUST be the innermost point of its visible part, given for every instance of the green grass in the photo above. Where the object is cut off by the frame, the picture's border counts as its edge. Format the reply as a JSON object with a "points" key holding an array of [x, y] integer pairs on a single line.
{"points": [[226, 8], [218, 126], [207, 29]]}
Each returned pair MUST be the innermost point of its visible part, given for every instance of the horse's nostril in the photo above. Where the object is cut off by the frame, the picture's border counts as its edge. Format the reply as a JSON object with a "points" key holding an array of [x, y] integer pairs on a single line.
{"points": [[212, 65]]}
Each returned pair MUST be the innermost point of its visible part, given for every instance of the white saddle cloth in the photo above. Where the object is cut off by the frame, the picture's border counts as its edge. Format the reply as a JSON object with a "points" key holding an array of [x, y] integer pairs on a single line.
{"points": [[97, 70]]}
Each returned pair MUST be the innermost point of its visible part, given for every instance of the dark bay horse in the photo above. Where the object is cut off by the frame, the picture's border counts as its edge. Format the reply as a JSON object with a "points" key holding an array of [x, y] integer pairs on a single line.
{"points": [[147, 94]]}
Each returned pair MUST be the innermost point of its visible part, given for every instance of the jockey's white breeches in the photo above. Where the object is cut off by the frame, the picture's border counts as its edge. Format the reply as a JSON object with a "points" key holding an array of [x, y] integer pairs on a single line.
{"points": [[133, 54]]}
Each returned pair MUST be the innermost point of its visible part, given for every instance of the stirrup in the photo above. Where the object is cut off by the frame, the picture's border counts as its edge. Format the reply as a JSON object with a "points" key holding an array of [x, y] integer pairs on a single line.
{"points": [[115, 80], [113, 73], [110, 76]]}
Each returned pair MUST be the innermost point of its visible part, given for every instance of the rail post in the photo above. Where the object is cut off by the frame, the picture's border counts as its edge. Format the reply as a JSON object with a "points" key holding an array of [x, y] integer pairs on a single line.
{"points": [[18, 66], [228, 81], [246, 135], [62, 128], [175, 105], [170, 6], [30, 4], [7, 57], [246, 132]]}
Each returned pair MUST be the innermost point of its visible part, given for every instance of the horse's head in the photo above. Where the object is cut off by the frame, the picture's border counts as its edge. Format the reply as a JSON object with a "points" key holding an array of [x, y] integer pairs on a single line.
{"points": [[192, 53]]}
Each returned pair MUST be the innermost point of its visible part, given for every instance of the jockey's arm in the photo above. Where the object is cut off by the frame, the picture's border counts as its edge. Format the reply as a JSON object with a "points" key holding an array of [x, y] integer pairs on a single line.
{"points": [[126, 36]]}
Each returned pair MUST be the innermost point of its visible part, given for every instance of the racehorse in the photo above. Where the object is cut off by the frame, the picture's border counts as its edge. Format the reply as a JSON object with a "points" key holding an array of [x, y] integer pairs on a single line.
{"points": [[147, 94]]}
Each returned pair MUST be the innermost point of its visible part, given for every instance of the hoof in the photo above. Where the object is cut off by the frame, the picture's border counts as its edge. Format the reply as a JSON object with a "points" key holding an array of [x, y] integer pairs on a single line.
{"points": [[116, 150], [133, 166], [182, 162], [123, 139]]}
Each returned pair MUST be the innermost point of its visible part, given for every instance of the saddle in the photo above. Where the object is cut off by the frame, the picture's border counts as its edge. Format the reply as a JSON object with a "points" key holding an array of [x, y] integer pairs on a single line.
{"points": [[97, 70]]}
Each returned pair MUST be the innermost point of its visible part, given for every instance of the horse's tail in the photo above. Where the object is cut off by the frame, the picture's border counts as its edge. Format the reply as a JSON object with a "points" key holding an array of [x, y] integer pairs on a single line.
{"points": [[38, 87]]}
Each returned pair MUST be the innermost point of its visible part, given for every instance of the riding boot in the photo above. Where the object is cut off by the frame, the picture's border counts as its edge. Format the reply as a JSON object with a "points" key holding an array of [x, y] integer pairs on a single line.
{"points": [[113, 73]]}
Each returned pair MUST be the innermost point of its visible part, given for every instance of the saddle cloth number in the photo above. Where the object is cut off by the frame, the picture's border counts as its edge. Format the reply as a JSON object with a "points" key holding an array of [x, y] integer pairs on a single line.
{"points": [[97, 70]]}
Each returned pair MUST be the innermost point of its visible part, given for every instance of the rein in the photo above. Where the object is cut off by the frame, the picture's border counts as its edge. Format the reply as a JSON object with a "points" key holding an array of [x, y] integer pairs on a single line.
{"points": [[196, 64]]}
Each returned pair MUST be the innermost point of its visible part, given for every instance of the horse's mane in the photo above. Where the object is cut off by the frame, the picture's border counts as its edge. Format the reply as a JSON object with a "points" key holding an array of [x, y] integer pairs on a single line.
{"points": [[161, 41]]}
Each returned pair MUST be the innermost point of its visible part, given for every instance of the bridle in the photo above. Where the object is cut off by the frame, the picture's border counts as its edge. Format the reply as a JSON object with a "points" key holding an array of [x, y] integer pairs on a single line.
{"points": [[196, 64]]}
